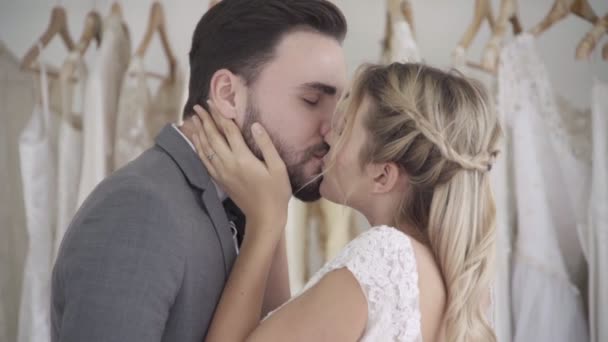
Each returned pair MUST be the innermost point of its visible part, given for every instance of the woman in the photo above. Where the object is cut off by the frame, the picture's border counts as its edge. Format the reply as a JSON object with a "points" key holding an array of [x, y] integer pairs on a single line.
{"points": [[411, 151]]}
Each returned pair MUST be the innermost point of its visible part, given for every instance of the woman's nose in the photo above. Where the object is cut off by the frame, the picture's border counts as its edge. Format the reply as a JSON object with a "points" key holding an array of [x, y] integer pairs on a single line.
{"points": [[329, 137]]}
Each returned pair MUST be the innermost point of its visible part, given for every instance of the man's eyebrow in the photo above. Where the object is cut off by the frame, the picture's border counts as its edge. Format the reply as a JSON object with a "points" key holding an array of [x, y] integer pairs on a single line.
{"points": [[322, 87]]}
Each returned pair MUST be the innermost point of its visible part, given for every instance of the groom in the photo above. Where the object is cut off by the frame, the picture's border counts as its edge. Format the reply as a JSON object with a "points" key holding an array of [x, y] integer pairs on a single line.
{"points": [[147, 255]]}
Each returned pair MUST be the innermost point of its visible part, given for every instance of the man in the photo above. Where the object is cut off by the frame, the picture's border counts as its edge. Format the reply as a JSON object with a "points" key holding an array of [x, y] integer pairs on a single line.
{"points": [[147, 255]]}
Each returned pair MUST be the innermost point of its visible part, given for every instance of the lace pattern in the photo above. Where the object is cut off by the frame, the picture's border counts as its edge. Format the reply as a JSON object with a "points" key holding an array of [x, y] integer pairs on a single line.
{"points": [[548, 144], [528, 74], [383, 262], [132, 136]]}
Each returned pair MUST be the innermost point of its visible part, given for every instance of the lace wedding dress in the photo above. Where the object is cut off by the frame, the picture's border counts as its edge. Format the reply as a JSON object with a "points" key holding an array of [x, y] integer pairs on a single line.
{"points": [[132, 137], [383, 262], [549, 148], [141, 115]]}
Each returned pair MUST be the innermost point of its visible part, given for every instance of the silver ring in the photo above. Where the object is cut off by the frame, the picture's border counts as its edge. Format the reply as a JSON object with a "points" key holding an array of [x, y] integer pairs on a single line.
{"points": [[210, 157]]}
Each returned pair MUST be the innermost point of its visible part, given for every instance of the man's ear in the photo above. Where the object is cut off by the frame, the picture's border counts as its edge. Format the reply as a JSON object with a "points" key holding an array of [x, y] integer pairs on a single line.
{"points": [[227, 92], [385, 177]]}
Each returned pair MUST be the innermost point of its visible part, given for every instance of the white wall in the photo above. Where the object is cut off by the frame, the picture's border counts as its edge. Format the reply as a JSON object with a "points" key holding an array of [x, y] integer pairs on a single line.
{"points": [[439, 26]]}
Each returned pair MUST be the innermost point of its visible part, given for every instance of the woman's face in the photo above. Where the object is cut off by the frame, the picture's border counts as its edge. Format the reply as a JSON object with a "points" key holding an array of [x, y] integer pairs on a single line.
{"points": [[344, 180]]}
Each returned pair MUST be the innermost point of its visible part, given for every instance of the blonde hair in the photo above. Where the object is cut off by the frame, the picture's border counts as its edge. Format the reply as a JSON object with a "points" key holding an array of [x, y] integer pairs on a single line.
{"points": [[440, 129]]}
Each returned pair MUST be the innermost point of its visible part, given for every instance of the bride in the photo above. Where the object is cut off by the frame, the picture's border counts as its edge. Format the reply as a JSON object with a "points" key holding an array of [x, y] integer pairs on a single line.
{"points": [[411, 148]]}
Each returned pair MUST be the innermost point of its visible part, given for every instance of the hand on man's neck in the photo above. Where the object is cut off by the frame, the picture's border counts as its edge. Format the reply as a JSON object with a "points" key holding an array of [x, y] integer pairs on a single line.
{"points": [[188, 129]]}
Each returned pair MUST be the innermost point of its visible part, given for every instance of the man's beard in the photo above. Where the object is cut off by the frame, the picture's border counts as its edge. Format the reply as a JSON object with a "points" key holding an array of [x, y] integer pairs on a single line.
{"points": [[304, 188]]}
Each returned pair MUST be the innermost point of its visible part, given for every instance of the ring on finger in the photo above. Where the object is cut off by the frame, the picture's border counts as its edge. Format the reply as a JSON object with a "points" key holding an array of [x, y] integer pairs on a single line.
{"points": [[211, 156]]}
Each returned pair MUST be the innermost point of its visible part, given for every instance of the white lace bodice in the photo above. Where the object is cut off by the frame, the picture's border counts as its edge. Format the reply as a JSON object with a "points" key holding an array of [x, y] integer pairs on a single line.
{"points": [[383, 262]]}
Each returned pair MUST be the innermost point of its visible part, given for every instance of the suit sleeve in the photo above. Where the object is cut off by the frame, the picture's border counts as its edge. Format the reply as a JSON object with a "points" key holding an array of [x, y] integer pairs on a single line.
{"points": [[119, 270]]}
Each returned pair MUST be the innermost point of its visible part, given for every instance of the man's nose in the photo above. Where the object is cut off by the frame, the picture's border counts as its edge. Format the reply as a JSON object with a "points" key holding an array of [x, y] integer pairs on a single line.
{"points": [[325, 125], [325, 129]]}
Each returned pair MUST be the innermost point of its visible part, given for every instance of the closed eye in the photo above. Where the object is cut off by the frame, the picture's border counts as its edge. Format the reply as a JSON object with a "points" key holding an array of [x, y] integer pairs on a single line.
{"points": [[311, 102]]}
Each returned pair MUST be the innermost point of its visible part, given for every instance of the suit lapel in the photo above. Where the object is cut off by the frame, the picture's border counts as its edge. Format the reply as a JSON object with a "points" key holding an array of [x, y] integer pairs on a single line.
{"points": [[193, 169], [217, 214]]}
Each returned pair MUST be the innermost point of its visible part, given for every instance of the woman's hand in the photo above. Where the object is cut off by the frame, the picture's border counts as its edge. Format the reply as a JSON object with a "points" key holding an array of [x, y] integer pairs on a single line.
{"points": [[261, 189]]}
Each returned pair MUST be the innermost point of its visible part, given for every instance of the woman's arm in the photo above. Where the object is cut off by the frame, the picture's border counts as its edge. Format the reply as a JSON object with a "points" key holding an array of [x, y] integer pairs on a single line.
{"points": [[277, 286], [239, 309], [335, 309]]}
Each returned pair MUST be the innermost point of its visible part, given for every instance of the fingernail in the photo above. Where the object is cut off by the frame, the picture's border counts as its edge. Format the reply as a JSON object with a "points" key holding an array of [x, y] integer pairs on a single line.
{"points": [[256, 128], [197, 107]]}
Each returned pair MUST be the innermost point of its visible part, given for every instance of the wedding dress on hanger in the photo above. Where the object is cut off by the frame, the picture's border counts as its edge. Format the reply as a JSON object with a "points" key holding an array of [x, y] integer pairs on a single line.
{"points": [[38, 152], [549, 167], [401, 45], [132, 137], [101, 104], [141, 116], [17, 96]]}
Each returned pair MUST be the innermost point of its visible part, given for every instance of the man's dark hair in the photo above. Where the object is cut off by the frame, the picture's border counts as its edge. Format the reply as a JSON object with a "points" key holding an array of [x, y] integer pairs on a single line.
{"points": [[242, 36]]}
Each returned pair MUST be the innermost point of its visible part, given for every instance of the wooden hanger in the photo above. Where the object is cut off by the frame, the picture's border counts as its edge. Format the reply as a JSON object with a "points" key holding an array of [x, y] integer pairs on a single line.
{"points": [[561, 9], [116, 9], [508, 14], [483, 11], [92, 31], [388, 34], [214, 2], [156, 23], [587, 44], [57, 25]]}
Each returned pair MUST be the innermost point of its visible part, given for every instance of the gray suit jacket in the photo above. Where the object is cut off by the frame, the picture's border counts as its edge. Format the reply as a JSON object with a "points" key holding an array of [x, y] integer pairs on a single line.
{"points": [[147, 255]]}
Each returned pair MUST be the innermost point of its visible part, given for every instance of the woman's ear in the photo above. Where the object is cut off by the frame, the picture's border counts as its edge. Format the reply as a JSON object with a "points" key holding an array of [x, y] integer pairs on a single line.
{"points": [[385, 177], [226, 90]]}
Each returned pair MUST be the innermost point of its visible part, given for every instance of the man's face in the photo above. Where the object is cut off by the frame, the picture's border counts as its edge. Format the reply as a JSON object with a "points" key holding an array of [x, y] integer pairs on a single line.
{"points": [[294, 97]]}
